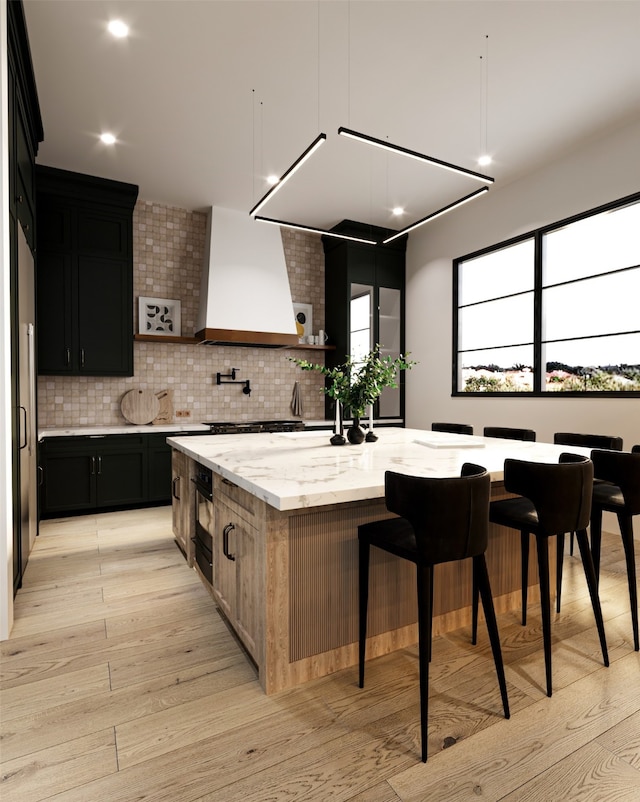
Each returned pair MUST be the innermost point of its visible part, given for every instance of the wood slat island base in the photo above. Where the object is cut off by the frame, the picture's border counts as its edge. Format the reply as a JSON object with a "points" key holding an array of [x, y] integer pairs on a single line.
{"points": [[287, 581]]}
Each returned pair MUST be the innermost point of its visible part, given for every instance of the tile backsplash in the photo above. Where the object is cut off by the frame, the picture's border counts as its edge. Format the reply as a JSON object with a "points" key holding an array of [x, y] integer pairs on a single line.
{"points": [[168, 247]]}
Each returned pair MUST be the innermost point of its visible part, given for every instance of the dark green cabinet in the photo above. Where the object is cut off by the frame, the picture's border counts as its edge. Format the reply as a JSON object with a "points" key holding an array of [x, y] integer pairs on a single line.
{"points": [[84, 274], [364, 304], [159, 468], [82, 473]]}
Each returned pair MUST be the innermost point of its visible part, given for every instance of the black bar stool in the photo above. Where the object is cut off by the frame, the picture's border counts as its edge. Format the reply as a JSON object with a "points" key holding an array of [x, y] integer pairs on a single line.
{"points": [[553, 499], [618, 492], [442, 520], [507, 433], [586, 441], [453, 428]]}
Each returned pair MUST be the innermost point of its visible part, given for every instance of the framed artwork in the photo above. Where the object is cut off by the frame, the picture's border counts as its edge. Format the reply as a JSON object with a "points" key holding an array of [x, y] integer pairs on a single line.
{"points": [[304, 319], [159, 316]]}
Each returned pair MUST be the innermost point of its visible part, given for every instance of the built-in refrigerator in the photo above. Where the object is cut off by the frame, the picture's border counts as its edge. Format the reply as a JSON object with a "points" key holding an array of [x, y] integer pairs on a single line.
{"points": [[28, 435]]}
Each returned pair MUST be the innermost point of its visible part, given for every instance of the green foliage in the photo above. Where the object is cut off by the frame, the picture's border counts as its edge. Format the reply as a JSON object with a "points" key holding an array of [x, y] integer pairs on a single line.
{"points": [[358, 384], [492, 384]]}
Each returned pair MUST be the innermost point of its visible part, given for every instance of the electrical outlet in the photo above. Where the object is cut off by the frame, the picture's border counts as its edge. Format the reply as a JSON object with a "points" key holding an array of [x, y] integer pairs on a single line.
{"points": [[183, 413]]}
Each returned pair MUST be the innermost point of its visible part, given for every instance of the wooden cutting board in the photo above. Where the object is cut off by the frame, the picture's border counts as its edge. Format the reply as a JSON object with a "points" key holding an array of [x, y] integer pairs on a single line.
{"points": [[165, 414], [139, 406]]}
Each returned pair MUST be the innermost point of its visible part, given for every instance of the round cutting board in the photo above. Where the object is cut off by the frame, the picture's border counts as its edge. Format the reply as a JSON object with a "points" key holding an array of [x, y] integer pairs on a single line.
{"points": [[139, 406]]}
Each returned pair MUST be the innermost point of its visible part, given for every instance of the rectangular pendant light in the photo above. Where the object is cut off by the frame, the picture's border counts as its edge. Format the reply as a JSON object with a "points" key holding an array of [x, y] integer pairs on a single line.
{"points": [[319, 140], [413, 154], [439, 213], [313, 230]]}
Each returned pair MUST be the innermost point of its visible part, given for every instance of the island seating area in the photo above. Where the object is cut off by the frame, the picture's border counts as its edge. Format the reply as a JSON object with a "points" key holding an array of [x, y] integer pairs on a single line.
{"points": [[284, 518]]}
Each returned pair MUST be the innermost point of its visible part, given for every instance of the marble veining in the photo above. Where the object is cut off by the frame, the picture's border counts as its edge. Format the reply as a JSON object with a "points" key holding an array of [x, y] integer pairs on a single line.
{"points": [[307, 471]]}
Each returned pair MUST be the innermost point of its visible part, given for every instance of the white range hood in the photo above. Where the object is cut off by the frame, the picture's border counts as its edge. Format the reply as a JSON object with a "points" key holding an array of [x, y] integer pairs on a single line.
{"points": [[245, 298]]}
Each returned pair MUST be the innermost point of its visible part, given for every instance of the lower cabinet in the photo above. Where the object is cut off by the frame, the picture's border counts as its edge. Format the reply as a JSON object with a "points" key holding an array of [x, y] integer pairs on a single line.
{"points": [[235, 568], [86, 473], [182, 503]]}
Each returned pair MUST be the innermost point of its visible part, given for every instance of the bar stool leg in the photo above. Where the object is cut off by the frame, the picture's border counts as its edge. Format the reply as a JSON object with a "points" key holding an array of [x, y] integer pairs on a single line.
{"points": [[542, 547], [596, 540], [481, 577], [589, 572], [474, 606], [524, 550], [424, 574], [363, 594], [559, 561], [626, 530]]}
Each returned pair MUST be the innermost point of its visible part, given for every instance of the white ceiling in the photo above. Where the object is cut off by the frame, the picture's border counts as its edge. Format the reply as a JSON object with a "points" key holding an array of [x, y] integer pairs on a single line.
{"points": [[208, 97]]}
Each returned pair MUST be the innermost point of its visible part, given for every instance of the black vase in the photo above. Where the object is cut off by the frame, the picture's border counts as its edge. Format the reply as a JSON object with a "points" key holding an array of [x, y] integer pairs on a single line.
{"points": [[355, 433]]}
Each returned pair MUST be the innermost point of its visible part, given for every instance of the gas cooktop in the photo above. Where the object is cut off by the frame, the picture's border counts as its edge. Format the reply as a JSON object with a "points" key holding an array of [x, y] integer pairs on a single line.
{"points": [[254, 427]]}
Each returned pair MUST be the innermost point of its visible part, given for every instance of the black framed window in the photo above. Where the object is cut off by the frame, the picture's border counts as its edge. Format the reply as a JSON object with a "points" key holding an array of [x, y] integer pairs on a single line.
{"points": [[554, 311]]}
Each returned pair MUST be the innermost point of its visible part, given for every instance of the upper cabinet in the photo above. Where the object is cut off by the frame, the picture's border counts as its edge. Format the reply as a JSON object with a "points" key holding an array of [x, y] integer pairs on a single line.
{"points": [[364, 296], [25, 124], [84, 274]]}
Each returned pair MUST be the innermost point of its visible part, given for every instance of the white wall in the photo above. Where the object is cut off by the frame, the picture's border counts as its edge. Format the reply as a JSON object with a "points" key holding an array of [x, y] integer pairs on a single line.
{"points": [[6, 531], [602, 171]]}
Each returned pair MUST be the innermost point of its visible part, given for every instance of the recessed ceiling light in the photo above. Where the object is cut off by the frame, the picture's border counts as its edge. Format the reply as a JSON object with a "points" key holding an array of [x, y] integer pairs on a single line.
{"points": [[118, 28], [108, 139], [483, 161], [272, 179], [397, 210]]}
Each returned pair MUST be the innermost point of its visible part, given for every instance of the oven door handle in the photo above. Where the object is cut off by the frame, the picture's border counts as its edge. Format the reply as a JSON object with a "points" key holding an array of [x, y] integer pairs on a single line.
{"points": [[225, 542], [202, 489]]}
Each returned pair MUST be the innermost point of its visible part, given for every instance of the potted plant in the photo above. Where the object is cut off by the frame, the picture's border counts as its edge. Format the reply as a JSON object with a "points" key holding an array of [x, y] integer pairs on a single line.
{"points": [[357, 383]]}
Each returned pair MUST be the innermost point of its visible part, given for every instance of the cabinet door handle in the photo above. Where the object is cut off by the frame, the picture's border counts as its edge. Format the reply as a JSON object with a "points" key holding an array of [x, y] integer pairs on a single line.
{"points": [[68, 356], [40, 475], [82, 357], [225, 542], [20, 199], [99, 465], [174, 484], [93, 466], [23, 429]]}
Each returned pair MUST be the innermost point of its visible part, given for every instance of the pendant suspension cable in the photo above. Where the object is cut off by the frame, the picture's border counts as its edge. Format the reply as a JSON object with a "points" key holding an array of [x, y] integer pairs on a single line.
{"points": [[253, 144]]}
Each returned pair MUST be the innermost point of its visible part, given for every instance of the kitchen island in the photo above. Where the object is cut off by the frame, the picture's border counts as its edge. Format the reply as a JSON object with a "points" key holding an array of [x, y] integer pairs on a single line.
{"points": [[284, 565]]}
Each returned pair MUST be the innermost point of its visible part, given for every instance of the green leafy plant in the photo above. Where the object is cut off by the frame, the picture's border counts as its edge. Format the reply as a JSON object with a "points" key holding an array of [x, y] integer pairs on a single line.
{"points": [[356, 384]]}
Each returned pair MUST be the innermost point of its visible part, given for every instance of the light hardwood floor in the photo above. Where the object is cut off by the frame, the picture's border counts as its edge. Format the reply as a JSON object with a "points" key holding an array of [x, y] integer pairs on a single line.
{"points": [[121, 682]]}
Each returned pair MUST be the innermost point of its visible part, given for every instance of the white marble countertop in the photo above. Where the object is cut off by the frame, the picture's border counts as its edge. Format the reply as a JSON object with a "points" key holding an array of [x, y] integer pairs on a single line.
{"points": [[294, 470], [124, 428]]}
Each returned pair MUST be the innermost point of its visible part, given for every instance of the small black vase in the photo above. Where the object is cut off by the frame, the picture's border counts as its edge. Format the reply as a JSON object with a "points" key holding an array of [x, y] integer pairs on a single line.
{"points": [[355, 433]]}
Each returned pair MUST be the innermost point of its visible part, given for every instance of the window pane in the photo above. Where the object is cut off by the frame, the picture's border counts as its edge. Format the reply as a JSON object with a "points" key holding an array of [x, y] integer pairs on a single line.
{"points": [[601, 305], [505, 322], [502, 272], [497, 370], [600, 363], [597, 244]]}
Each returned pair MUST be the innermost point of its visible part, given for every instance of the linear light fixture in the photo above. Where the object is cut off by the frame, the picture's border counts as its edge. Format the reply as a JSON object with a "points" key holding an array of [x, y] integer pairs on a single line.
{"points": [[319, 140], [413, 154], [439, 213], [313, 230]]}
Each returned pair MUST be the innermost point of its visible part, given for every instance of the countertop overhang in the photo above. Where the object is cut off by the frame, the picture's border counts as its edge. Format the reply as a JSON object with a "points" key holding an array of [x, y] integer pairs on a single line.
{"points": [[296, 470]]}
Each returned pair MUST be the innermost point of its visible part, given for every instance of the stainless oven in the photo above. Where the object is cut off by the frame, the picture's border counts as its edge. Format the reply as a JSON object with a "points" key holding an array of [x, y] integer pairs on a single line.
{"points": [[203, 541]]}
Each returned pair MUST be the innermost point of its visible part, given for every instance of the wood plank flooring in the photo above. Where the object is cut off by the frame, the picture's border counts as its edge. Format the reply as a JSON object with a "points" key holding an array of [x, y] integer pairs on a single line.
{"points": [[121, 682]]}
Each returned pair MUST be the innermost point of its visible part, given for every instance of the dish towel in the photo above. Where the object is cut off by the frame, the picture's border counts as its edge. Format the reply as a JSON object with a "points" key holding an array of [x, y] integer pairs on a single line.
{"points": [[296, 400]]}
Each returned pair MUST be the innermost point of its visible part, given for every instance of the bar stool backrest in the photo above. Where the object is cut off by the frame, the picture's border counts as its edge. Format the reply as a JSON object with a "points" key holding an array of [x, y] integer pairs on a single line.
{"points": [[450, 517], [507, 433], [560, 493], [621, 469], [453, 428], [588, 440]]}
